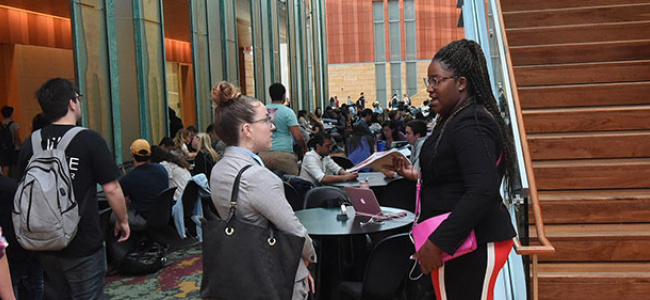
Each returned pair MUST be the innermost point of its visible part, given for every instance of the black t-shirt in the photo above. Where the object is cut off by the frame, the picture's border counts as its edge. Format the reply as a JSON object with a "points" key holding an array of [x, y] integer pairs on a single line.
{"points": [[143, 184], [91, 163]]}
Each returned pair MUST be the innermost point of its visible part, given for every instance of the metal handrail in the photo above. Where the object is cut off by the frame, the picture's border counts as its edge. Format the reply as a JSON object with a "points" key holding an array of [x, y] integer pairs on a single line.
{"points": [[520, 136]]}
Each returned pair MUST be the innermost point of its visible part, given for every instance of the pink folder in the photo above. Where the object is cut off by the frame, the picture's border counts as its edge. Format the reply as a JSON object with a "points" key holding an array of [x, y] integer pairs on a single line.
{"points": [[422, 231]]}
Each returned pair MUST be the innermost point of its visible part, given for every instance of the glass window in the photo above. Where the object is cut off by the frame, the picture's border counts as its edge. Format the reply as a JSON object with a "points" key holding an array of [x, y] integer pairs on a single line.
{"points": [[380, 79]]}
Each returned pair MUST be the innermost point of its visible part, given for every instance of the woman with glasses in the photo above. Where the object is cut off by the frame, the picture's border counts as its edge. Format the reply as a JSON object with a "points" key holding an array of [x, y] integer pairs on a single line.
{"points": [[462, 164], [244, 124]]}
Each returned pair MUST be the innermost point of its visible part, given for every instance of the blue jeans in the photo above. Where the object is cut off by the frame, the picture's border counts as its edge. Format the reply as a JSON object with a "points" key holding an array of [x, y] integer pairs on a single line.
{"points": [[76, 277], [27, 278]]}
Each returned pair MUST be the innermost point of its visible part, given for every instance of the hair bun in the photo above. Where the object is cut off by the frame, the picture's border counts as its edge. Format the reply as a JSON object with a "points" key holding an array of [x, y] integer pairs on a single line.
{"points": [[224, 92]]}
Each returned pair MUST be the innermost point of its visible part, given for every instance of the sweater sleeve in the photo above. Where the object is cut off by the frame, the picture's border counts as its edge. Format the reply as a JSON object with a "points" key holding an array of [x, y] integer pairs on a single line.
{"points": [[267, 197], [475, 142]]}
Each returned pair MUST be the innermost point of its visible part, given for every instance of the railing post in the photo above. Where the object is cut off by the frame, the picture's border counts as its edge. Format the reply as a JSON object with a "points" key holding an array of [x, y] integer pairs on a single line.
{"points": [[535, 281]]}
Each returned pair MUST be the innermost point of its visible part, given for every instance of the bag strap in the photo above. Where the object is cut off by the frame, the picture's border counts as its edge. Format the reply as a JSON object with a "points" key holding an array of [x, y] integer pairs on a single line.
{"points": [[68, 136], [37, 139], [234, 195], [36, 142]]}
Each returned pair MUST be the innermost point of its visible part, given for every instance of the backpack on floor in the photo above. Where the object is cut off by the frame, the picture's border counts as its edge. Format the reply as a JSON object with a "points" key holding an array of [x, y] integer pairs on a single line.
{"points": [[145, 257], [45, 213]]}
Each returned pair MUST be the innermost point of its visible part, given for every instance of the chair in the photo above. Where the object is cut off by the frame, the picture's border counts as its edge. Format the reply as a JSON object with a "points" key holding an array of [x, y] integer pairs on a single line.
{"points": [[399, 193], [385, 272], [158, 228], [343, 161], [160, 212], [190, 193], [325, 196], [293, 197]]}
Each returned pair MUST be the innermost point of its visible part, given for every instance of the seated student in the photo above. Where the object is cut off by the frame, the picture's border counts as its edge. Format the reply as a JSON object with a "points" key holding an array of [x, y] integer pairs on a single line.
{"points": [[178, 170], [166, 144], [416, 133], [390, 133], [318, 168], [365, 119], [206, 156], [217, 144], [142, 185], [360, 145], [180, 145]]}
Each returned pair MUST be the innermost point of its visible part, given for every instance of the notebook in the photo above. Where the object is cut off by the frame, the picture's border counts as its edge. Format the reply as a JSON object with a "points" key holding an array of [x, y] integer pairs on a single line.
{"points": [[365, 203]]}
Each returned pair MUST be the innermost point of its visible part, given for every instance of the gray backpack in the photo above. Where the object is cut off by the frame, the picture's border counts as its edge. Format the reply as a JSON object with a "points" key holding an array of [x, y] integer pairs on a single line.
{"points": [[45, 213]]}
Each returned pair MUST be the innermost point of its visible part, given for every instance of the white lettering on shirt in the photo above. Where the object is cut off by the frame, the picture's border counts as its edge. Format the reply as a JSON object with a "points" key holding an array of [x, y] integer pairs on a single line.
{"points": [[73, 162], [73, 166]]}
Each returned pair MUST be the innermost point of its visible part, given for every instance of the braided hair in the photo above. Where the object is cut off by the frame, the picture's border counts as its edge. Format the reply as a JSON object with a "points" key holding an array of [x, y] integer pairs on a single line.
{"points": [[465, 58]]}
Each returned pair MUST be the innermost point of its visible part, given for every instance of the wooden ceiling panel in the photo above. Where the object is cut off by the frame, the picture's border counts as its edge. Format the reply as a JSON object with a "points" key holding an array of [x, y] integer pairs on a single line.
{"points": [[176, 15]]}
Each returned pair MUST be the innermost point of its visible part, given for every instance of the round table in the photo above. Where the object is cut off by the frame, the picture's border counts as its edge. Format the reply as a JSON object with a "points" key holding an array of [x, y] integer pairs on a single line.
{"points": [[375, 179], [323, 221]]}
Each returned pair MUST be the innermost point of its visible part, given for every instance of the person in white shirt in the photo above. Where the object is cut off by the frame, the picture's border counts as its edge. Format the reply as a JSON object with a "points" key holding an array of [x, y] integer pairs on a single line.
{"points": [[416, 133], [318, 168]]}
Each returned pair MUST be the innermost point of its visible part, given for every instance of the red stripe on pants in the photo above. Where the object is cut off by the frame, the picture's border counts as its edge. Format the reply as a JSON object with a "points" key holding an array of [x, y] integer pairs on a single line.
{"points": [[501, 251]]}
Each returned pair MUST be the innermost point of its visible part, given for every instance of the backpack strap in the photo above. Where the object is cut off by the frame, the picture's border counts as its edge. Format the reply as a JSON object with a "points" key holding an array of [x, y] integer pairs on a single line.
{"points": [[68, 136], [37, 139], [36, 142]]}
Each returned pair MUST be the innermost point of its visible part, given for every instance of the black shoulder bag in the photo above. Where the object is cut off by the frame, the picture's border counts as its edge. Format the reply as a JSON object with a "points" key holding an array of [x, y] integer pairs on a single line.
{"points": [[244, 261]]}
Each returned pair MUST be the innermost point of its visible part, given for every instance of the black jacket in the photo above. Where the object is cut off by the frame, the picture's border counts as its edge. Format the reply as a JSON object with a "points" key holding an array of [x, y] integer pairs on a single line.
{"points": [[460, 175]]}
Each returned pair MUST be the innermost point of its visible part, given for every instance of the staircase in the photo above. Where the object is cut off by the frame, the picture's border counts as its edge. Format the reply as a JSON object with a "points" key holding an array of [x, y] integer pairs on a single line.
{"points": [[583, 74]]}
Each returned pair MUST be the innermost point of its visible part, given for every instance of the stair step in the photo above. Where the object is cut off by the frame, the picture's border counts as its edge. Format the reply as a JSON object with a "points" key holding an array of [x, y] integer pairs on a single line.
{"points": [[595, 206], [588, 174], [589, 33], [601, 94], [586, 119], [587, 232], [607, 144], [628, 71], [518, 5], [594, 281], [580, 52], [597, 242], [579, 15]]}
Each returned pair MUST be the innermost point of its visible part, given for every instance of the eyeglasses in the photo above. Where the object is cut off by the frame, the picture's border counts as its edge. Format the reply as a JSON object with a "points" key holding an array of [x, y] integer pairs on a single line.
{"points": [[435, 81], [268, 120], [78, 97]]}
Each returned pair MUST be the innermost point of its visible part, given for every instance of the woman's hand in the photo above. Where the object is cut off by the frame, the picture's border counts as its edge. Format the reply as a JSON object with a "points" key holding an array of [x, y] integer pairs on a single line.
{"points": [[430, 257], [402, 168]]}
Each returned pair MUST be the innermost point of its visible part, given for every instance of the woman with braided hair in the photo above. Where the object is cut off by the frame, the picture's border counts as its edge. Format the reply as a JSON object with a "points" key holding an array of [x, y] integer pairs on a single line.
{"points": [[462, 164]]}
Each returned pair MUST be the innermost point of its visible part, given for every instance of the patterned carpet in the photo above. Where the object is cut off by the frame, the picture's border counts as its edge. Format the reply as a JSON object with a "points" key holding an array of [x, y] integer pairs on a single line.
{"points": [[181, 279]]}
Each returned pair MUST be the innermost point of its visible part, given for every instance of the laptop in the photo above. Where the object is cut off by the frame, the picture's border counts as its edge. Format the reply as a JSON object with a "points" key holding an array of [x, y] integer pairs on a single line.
{"points": [[365, 204]]}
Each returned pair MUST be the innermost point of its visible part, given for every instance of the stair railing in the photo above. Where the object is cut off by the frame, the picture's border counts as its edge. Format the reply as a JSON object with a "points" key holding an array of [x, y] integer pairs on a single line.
{"points": [[521, 140], [521, 191]]}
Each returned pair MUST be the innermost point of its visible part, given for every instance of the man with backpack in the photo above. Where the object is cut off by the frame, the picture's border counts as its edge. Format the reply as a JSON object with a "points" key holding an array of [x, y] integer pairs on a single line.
{"points": [[76, 264], [9, 140]]}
